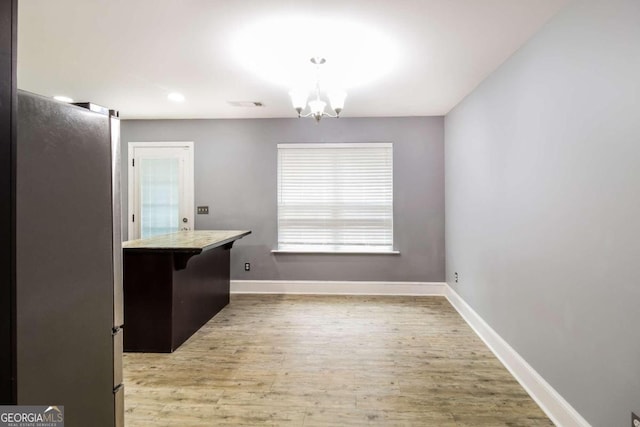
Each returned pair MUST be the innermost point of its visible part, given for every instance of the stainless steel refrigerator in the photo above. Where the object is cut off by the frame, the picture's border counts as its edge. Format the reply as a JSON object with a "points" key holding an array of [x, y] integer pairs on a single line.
{"points": [[68, 261]]}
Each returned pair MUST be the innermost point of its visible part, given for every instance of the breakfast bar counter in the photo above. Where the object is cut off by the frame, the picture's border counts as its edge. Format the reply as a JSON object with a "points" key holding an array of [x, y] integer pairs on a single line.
{"points": [[174, 284]]}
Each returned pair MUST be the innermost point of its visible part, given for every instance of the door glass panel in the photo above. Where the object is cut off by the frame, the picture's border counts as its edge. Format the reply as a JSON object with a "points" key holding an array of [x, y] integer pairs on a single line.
{"points": [[159, 196]]}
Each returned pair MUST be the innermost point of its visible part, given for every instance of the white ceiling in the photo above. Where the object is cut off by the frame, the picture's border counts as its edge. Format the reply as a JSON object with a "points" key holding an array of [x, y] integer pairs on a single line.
{"points": [[130, 54]]}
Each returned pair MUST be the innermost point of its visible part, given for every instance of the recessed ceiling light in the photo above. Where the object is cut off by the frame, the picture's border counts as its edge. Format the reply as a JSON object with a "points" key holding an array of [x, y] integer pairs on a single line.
{"points": [[176, 97], [62, 98]]}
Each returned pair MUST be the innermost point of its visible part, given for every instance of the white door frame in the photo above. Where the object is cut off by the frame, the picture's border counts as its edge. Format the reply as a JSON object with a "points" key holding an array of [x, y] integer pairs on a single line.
{"points": [[189, 188]]}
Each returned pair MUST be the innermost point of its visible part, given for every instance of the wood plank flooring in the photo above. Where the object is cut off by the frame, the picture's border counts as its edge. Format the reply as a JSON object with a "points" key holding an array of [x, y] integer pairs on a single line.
{"points": [[328, 361]]}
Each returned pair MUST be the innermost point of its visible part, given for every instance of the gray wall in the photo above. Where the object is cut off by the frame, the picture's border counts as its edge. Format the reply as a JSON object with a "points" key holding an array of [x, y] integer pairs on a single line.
{"points": [[543, 205], [235, 174]]}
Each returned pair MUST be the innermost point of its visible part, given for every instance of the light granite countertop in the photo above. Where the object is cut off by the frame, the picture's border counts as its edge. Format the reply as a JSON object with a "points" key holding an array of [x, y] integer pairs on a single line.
{"points": [[194, 241]]}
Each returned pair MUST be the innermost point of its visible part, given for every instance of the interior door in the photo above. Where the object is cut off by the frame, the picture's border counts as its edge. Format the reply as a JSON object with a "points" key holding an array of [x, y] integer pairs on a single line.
{"points": [[161, 186]]}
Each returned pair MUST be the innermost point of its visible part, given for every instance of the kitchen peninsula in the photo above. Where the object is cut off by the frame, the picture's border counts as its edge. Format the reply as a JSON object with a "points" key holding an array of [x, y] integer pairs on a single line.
{"points": [[174, 284]]}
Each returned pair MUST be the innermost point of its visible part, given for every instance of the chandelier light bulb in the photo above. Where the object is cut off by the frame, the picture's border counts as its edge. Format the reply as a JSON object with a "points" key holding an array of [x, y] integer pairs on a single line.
{"points": [[317, 108], [299, 99], [336, 98]]}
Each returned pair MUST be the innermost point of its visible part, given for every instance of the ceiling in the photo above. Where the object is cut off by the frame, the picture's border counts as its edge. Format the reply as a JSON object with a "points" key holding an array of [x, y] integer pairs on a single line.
{"points": [[404, 57]]}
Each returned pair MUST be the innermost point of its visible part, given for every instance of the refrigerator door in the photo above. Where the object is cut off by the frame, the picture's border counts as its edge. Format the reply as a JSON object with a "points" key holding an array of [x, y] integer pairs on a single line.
{"points": [[118, 293], [119, 406], [64, 260], [118, 302]]}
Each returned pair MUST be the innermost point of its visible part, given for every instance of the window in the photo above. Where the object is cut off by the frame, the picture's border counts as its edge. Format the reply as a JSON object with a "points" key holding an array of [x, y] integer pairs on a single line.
{"points": [[335, 197]]}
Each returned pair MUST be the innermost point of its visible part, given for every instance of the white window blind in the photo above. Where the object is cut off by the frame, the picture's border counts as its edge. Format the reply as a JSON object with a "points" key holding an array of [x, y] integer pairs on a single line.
{"points": [[335, 197]]}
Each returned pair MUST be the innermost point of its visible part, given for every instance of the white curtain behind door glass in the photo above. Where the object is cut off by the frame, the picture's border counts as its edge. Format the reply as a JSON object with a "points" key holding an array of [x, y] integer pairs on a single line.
{"points": [[160, 196]]}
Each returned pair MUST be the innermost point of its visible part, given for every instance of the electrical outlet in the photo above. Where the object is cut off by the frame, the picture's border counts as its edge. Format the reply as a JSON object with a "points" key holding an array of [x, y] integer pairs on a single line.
{"points": [[456, 276], [203, 210], [635, 420], [247, 266]]}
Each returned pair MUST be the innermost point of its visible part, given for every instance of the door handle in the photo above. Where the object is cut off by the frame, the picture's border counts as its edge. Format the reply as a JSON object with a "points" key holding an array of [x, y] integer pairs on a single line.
{"points": [[185, 220]]}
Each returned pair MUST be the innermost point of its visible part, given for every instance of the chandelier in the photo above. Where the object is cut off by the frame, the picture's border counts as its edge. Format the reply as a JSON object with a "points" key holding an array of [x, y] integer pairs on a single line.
{"points": [[316, 105]]}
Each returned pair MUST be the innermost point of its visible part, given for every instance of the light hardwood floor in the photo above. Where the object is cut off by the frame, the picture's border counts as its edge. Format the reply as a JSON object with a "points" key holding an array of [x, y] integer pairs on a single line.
{"points": [[328, 361]]}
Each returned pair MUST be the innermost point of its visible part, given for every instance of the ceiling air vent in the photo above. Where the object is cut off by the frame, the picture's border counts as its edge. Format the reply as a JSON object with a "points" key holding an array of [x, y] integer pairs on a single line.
{"points": [[246, 104]]}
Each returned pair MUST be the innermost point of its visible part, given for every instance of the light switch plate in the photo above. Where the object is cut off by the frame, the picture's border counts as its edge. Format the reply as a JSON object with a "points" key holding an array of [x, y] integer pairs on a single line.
{"points": [[203, 210]]}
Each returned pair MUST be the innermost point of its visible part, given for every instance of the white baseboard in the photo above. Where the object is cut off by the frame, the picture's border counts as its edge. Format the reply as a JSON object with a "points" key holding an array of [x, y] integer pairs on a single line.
{"points": [[557, 409], [337, 288]]}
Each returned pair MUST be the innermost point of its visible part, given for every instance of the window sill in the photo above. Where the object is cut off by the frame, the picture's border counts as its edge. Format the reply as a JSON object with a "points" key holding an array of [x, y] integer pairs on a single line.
{"points": [[327, 252]]}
